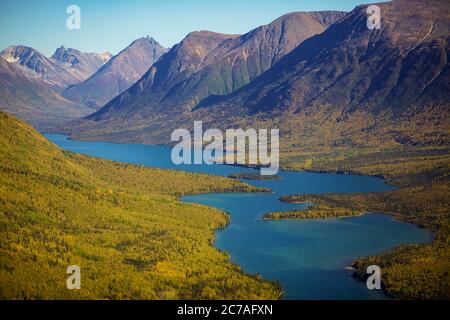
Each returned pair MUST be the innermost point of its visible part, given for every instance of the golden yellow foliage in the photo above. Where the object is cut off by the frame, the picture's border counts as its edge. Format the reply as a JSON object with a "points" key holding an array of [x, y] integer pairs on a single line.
{"points": [[122, 224]]}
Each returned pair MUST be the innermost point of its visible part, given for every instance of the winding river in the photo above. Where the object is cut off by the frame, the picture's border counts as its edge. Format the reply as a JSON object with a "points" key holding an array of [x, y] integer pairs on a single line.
{"points": [[308, 257]]}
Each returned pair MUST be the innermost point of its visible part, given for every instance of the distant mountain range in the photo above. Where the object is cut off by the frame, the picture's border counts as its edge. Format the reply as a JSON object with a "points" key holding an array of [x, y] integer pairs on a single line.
{"points": [[336, 77], [116, 76], [34, 99], [70, 84]]}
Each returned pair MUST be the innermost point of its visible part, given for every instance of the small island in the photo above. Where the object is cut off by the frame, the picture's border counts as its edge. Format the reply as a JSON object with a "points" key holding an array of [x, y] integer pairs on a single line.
{"points": [[253, 176], [319, 208], [313, 212]]}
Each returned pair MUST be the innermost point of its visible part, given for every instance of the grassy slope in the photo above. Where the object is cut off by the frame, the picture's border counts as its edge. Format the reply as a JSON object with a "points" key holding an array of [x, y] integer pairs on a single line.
{"points": [[121, 224]]}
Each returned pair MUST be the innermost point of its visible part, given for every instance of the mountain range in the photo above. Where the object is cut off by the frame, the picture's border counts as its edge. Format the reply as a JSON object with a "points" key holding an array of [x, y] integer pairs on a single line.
{"points": [[362, 86], [80, 64], [118, 74], [323, 78], [34, 99]]}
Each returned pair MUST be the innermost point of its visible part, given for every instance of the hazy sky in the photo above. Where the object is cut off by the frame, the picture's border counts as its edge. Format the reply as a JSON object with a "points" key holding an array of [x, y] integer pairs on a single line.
{"points": [[111, 25]]}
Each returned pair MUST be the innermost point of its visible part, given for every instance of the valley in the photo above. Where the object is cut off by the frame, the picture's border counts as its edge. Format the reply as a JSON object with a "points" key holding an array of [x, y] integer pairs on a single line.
{"points": [[362, 175]]}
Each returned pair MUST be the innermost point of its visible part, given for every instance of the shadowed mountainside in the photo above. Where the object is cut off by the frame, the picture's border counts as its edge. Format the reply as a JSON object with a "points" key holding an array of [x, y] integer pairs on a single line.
{"points": [[34, 99]]}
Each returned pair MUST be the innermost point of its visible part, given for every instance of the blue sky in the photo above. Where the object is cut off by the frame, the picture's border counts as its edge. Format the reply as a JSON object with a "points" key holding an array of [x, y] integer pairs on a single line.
{"points": [[111, 25]]}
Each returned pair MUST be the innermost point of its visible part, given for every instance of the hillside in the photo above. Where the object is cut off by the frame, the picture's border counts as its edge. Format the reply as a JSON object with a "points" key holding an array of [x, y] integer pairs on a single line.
{"points": [[37, 65], [33, 99], [122, 224]]}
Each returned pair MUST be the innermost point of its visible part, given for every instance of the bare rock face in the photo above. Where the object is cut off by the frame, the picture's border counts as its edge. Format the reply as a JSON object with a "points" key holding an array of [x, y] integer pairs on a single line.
{"points": [[118, 74], [404, 63], [106, 56]]}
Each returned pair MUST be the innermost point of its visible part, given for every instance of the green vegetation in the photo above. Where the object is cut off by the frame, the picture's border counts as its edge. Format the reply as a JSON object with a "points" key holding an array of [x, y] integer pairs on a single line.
{"points": [[122, 224], [315, 211]]}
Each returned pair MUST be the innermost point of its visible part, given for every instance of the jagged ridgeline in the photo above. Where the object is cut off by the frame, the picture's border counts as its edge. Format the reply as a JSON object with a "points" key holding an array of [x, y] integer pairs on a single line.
{"points": [[122, 224]]}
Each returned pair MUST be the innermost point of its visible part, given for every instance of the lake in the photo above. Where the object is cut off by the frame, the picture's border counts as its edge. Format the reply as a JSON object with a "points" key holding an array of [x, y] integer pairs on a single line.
{"points": [[308, 257]]}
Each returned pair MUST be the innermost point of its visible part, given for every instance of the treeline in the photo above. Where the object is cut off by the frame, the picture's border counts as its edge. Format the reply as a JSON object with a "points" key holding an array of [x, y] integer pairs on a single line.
{"points": [[314, 211]]}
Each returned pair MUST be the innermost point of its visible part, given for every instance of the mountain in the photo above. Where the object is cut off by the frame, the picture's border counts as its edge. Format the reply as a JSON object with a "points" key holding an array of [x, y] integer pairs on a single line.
{"points": [[346, 87], [79, 64], [118, 74], [33, 99], [36, 64], [351, 87], [404, 64], [206, 64]]}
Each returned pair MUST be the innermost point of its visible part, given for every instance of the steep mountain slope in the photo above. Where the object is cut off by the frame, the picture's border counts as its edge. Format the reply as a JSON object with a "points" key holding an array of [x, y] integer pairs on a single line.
{"points": [[59, 209], [238, 61], [348, 87], [206, 64], [34, 99], [118, 74], [405, 63], [36, 64], [79, 64]]}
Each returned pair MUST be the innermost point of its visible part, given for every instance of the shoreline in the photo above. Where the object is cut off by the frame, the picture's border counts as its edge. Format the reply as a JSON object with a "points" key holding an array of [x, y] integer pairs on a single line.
{"points": [[346, 172]]}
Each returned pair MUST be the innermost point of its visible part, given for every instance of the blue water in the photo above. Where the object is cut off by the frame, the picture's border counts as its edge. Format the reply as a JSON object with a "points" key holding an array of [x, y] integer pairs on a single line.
{"points": [[308, 257]]}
